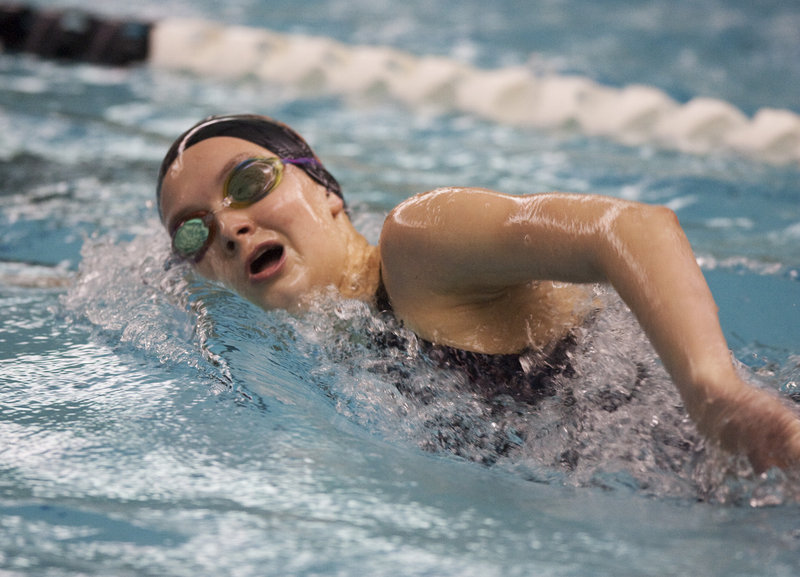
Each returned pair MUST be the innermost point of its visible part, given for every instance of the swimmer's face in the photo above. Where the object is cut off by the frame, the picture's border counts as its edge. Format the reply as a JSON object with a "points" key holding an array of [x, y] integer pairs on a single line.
{"points": [[276, 252]]}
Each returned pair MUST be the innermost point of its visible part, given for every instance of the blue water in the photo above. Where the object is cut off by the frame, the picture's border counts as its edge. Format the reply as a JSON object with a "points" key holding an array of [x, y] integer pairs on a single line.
{"points": [[152, 423]]}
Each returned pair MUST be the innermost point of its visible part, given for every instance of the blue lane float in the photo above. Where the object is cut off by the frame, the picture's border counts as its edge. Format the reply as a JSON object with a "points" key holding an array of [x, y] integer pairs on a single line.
{"points": [[634, 115]]}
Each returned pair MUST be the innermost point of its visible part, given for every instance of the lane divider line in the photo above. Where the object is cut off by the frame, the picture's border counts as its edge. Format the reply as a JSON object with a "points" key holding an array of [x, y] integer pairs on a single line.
{"points": [[633, 115]]}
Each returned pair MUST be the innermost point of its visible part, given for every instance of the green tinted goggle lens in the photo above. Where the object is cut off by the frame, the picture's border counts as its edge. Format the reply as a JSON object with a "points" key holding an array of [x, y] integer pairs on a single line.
{"points": [[252, 180], [248, 183], [190, 237]]}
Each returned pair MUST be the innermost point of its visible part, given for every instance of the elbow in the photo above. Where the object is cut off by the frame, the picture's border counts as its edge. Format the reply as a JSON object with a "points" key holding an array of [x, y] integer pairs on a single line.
{"points": [[648, 226], [655, 217], [666, 217], [639, 237], [663, 232]]}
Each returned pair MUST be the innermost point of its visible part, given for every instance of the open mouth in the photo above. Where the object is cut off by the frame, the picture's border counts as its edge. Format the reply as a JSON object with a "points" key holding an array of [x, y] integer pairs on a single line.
{"points": [[266, 260]]}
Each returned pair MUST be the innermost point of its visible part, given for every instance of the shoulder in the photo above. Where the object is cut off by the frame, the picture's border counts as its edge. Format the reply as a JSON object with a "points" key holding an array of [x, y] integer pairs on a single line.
{"points": [[433, 244], [444, 215], [424, 210], [429, 230], [414, 225]]}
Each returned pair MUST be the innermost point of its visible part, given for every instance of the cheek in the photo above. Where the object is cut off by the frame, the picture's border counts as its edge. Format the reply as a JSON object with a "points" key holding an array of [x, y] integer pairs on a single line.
{"points": [[303, 199], [212, 268]]}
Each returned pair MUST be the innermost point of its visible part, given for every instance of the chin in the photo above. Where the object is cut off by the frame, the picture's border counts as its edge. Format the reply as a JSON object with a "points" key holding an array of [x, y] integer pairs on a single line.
{"points": [[295, 293], [273, 304], [288, 302]]}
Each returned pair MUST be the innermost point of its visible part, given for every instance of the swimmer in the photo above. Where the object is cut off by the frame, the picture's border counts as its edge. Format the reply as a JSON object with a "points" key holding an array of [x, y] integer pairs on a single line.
{"points": [[248, 203]]}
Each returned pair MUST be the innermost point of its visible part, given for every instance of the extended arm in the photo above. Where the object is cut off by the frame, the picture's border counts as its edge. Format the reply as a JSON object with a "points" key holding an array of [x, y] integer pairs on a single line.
{"points": [[464, 242]]}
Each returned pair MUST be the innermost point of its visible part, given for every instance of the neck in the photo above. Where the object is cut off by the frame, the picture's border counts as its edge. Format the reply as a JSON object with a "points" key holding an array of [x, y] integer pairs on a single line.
{"points": [[362, 277]]}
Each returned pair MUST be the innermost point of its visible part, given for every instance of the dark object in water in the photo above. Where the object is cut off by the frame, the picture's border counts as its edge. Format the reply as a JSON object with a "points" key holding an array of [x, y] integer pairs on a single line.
{"points": [[73, 35]]}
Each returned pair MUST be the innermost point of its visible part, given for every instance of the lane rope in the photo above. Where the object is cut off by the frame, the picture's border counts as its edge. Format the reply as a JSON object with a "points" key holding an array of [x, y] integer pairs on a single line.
{"points": [[633, 115]]}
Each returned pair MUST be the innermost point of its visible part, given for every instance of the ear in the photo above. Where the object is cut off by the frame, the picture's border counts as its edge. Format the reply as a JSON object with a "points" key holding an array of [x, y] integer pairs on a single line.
{"points": [[335, 203]]}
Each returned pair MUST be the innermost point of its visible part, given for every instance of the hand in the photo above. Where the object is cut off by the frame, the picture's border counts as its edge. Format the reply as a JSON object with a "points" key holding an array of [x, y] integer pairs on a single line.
{"points": [[755, 423]]}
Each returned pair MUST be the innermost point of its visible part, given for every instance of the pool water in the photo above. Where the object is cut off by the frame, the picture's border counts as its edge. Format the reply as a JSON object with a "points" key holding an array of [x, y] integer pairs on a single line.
{"points": [[152, 423]]}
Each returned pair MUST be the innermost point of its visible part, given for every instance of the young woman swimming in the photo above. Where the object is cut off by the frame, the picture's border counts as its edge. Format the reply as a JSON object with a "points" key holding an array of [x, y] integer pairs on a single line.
{"points": [[248, 203]]}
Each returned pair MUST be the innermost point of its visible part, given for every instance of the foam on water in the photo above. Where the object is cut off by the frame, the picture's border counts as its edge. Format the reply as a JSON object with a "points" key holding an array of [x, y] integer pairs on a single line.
{"points": [[615, 421], [154, 424]]}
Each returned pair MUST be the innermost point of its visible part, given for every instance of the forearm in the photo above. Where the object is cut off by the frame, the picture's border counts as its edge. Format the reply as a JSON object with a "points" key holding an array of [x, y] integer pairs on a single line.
{"points": [[456, 245], [648, 260]]}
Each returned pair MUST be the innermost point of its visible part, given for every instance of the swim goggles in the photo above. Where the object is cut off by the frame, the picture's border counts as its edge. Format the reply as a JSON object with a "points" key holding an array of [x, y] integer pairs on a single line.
{"points": [[249, 182]]}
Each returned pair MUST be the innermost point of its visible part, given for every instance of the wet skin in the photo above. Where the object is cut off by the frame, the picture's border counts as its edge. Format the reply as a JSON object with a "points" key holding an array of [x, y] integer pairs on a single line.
{"points": [[487, 272], [279, 251]]}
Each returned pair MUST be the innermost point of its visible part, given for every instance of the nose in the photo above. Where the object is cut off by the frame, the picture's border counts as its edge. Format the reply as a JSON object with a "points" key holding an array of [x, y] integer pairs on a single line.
{"points": [[234, 227]]}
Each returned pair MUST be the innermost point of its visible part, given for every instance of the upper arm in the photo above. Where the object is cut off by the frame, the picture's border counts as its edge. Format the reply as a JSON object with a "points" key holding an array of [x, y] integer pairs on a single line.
{"points": [[461, 257], [473, 240]]}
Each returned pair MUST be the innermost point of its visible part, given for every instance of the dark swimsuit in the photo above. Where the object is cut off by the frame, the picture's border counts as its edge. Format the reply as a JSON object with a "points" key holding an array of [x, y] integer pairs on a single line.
{"points": [[526, 377], [506, 386]]}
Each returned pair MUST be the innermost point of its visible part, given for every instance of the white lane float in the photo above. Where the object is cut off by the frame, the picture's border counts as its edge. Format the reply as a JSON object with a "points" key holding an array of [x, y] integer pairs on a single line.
{"points": [[634, 115]]}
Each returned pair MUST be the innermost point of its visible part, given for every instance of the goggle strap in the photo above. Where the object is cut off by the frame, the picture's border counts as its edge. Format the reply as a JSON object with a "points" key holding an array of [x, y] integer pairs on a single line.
{"points": [[301, 160]]}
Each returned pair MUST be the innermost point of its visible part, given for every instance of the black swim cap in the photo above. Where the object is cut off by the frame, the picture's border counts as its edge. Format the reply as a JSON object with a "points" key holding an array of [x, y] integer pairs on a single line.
{"points": [[260, 130]]}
